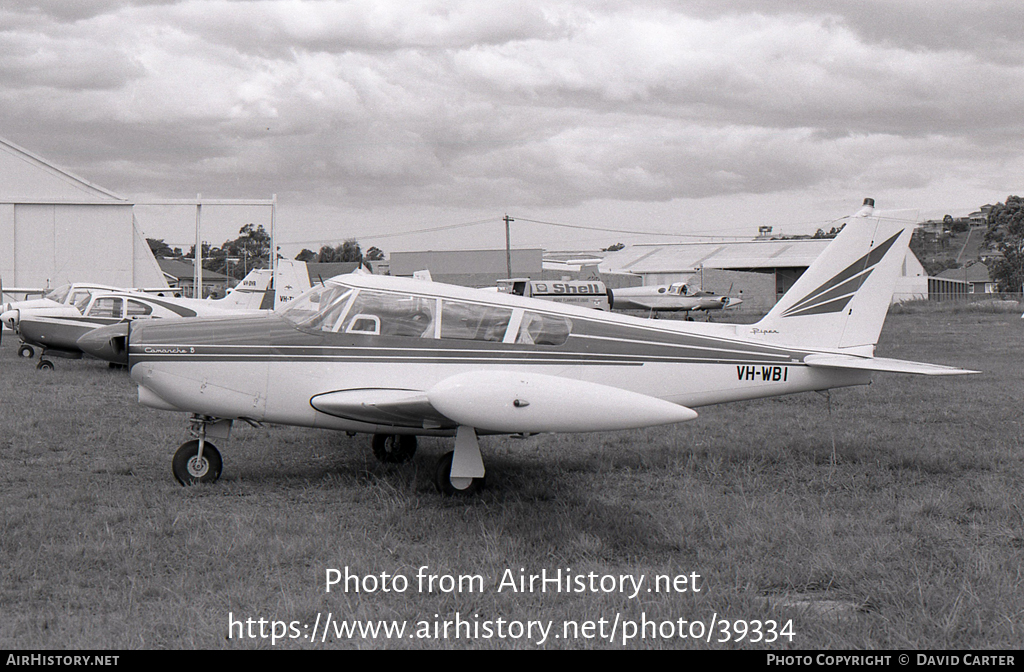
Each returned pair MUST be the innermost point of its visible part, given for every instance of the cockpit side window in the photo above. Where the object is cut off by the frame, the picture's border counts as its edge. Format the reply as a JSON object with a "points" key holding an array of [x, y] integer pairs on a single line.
{"points": [[543, 329], [107, 306], [139, 309], [388, 314], [473, 321]]}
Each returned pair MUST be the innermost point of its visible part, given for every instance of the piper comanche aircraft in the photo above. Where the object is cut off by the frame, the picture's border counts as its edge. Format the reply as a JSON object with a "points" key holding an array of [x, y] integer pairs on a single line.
{"points": [[54, 326], [400, 357]]}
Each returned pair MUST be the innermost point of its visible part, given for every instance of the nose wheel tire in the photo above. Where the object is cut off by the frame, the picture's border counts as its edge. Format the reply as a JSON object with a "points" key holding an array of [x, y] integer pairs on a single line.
{"points": [[190, 468], [45, 365], [26, 351], [445, 486], [394, 448]]}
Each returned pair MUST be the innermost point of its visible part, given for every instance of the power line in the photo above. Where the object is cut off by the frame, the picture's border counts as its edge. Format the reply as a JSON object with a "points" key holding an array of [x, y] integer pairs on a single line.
{"points": [[579, 227], [372, 236], [629, 231]]}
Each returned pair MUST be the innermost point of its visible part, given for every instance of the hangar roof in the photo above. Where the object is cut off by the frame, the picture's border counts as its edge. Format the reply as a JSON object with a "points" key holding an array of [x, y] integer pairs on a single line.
{"points": [[28, 178], [688, 257]]}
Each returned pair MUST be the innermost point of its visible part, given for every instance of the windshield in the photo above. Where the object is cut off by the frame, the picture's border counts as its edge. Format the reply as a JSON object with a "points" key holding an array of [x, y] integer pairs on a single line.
{"points": [[58, 294], [317, 306]]}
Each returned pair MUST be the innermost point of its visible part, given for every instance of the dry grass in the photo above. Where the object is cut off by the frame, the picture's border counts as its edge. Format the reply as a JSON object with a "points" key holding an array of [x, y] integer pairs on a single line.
{"points": [[911, 538]]}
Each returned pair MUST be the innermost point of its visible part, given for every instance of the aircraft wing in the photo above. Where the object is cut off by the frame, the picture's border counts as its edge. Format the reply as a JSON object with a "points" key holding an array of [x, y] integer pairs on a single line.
{"points": [[506, 402], [639, 302], [882, 364]]}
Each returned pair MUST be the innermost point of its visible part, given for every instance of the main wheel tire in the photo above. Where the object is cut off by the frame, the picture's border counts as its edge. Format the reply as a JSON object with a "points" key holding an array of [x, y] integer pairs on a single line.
{"points": [[45, 365], [190, 469], [394, 448], [26, 351], [443, 481]]}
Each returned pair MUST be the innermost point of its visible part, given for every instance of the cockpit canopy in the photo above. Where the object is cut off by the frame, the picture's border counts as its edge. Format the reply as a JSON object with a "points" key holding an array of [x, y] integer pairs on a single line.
{"points": [[338, 308]]}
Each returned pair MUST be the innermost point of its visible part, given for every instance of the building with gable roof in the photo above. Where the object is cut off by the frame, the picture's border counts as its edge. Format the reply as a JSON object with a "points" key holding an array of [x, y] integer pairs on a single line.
{"points": [[56, 227], [738, 268]]}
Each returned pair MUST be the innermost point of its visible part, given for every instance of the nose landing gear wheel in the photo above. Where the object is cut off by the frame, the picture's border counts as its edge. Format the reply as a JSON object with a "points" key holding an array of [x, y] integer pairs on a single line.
{"points": [[393, 448], [190, 468], [444, 484], [26, 351]]}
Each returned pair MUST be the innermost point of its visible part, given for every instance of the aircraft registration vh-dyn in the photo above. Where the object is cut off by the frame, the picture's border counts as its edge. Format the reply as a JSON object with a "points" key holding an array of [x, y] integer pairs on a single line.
{"points": [[401, 357]]}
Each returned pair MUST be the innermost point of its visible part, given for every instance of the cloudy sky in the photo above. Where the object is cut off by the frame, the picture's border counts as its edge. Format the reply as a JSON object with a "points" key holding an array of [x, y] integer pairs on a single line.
{"points": [[371, 118]]}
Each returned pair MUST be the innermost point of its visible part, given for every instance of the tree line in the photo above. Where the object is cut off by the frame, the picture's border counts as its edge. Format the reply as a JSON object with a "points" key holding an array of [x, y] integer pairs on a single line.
{"points": [[251, 249], [1006, 234]]}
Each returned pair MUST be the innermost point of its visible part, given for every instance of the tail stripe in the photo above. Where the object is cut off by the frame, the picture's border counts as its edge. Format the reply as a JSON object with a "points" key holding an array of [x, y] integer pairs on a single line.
{"points": [[848, 281]]}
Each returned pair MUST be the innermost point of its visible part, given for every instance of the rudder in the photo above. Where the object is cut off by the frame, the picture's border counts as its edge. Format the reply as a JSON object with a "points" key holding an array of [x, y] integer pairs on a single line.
{"points": [[841, 300]]}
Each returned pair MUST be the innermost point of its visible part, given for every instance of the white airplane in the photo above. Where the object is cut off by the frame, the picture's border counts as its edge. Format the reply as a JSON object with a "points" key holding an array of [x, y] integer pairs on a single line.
{"points": [[54, 323], [675, 297], [399, 357], [54, 301]]}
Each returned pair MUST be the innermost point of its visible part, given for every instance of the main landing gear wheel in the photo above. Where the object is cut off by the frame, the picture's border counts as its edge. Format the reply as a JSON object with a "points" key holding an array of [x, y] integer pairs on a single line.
{"points": [[26, 351], [190, 468], [45, 365], [393, 448], [443, 481]]}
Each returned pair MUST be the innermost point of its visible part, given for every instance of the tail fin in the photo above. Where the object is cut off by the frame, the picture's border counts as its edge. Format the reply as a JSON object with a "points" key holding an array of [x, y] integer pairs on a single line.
{"points": [[841, 300], [291, 281], [248, 294]]}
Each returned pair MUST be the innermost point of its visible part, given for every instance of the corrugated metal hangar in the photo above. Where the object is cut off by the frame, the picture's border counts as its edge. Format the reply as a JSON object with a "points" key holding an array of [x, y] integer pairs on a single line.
{"points": [[737, 265], [56, 228]]}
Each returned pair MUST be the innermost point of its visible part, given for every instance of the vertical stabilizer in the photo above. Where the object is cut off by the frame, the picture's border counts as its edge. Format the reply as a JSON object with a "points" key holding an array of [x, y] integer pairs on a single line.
{"points": [[248, 294], [842, 299], [291, 282]]}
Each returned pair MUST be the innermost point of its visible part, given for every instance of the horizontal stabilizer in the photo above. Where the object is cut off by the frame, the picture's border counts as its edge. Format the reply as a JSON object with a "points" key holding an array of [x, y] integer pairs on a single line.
{"points": [[882, 364]]}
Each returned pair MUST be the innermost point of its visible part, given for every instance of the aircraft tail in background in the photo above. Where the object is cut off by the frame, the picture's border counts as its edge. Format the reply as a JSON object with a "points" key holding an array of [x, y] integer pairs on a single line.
{"points": [[248, 294]]}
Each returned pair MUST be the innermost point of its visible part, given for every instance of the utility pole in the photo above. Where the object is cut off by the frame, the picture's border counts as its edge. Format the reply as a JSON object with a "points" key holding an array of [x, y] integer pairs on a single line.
{"points": [[508, 246], [197, 258]]}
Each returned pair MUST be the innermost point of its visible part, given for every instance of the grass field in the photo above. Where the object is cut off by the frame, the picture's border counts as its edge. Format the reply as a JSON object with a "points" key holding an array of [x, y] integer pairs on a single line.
{"points": [[910, 535]]}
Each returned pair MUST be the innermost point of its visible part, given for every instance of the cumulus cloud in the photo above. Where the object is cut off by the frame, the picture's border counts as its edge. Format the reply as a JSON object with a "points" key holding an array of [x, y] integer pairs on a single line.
{"points": [[433, 103]]}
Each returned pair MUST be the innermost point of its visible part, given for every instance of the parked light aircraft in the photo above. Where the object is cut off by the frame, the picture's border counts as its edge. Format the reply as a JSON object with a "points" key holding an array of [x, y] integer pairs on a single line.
{"points": [[399, 357], [675, 297], [54, 325], [50, 301]]}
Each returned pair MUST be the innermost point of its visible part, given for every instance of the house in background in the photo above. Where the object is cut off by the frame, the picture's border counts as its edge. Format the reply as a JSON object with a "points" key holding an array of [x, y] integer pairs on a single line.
{"points": [[976, 274], [180, 273]]}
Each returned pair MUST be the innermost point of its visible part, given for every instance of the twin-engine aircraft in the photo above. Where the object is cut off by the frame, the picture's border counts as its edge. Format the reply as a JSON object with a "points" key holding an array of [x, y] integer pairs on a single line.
{"points": [[397, 358], [55, 323]]}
